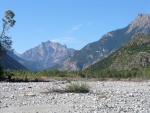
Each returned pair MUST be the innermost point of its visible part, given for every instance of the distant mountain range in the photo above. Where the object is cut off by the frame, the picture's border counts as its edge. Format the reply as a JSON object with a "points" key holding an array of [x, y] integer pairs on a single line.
{"points": [[41, 57], [51, 55], [47, 54], [133, 55], [38, 58], [102, 48]]}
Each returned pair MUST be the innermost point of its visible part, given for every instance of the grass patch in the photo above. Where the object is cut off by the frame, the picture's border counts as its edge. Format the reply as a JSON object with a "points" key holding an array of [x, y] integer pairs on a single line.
{"points": [[71, 88], [78, 88]]}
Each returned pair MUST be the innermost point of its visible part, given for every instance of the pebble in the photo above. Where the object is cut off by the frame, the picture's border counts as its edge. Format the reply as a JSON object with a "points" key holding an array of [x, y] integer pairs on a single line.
{"points": [[104, 97]]}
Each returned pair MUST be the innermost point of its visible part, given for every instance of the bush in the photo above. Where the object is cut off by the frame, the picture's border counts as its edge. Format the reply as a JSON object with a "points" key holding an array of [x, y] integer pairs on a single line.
{"points": [[81, 74], [78, 88], [2, 77], [8, 73]]}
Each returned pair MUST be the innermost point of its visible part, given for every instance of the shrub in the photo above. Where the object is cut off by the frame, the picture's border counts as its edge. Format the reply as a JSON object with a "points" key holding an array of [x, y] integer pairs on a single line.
{"points": [[2, 77], [78, 88], [72, 88], [81, 74], [8, 73]]}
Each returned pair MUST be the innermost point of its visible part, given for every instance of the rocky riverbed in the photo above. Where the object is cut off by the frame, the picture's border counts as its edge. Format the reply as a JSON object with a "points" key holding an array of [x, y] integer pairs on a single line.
{"points": [[104, 97]]}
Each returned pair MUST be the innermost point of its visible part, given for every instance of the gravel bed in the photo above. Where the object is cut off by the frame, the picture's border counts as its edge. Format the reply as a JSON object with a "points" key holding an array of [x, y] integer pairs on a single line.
{"points": [[104, 97]]}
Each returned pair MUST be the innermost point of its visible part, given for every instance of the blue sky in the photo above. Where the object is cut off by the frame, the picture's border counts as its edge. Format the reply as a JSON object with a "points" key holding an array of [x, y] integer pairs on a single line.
{"points": [[74, 23]]}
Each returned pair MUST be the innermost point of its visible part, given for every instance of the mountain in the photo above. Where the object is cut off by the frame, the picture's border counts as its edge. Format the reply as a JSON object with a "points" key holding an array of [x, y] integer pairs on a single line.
{"points": [[28, 64], [8, 62], [109, 43], [47, 54], [133, 55]]}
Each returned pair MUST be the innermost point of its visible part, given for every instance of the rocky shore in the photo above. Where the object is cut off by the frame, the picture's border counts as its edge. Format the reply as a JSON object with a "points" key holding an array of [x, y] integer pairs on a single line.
{"points": [[104, 97]]}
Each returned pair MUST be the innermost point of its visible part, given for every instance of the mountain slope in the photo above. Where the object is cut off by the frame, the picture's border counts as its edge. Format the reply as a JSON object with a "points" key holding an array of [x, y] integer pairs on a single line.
{"points": [[109, 43], [9, 63], [28, 64], [133, 55], [47, 54]]}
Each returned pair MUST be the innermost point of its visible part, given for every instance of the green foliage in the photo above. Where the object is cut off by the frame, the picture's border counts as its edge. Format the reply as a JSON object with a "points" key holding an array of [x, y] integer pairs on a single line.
{"points": [[2, 77], [123, 57], [101, 75], [78, 88], [8, 74], [5, 41], [81, 74], [45, 73]]}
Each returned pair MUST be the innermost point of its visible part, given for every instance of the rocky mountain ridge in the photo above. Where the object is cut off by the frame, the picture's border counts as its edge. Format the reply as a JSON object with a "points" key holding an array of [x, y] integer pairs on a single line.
{"points": [[47, 54], [141, 22], [102, 48], [133, 55]]}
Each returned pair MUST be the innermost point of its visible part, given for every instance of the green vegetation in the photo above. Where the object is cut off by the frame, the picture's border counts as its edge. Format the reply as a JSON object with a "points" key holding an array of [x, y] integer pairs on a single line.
{"points": [[78, 88], [130, 61], [2, 77], [75, 75], [71, 88], [5, 41], [44, 75], [135, 54], [56, 74]]}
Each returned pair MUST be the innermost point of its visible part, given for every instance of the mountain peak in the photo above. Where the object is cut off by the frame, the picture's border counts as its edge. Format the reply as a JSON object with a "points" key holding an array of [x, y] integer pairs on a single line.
{"points": [[142, 22], [141, 19], [54, 45], [47, 53], [142, 15], [109, 43]]}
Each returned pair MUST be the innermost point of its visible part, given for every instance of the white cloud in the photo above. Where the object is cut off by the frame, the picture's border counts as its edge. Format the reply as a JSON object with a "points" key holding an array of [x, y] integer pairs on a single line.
{"points": [[74, 28], [63, 40], [67, 38]]}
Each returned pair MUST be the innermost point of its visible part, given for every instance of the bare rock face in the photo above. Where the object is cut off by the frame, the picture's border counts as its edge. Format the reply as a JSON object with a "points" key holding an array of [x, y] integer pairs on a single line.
{"points": [[142, 23], [109, 43], [47, 54]]}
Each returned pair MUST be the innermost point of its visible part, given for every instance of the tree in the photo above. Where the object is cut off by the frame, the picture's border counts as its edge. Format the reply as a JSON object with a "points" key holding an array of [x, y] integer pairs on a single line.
{"points": [[5, 41]]}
